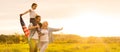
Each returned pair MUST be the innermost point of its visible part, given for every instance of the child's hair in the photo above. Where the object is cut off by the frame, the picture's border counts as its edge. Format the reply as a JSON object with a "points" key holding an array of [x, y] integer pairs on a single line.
{"points": [[37, 16], [33, 4]]}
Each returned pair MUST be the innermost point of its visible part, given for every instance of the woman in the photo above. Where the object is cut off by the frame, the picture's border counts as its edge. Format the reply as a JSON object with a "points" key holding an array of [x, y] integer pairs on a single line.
{"points": [[44, 38]]}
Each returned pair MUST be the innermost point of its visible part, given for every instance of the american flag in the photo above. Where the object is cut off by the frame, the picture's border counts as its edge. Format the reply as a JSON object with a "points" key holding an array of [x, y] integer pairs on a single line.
{"points": [[25, 30]]}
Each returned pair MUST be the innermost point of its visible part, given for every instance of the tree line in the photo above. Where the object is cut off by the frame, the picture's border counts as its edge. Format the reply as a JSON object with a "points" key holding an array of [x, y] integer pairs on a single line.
{"points": [[59, 38]]}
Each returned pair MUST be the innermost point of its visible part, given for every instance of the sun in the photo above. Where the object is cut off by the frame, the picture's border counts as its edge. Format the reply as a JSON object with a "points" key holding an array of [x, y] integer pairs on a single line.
{"points": [[89, 24]]}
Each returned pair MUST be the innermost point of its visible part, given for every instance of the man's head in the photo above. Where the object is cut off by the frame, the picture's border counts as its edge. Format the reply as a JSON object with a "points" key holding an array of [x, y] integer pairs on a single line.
{"points": [[38, 19]]}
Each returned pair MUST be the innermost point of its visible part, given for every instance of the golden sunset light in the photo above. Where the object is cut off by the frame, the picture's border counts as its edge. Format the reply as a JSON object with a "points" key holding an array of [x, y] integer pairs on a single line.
{"points": [[81, 17]]}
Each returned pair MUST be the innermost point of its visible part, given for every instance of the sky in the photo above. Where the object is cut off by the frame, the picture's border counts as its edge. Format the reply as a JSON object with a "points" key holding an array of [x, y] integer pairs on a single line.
{"points": [[81, 17]]}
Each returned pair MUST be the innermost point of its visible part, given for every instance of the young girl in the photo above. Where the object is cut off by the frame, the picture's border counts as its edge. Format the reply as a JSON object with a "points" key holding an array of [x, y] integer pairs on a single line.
{"points": [[33, 14]]}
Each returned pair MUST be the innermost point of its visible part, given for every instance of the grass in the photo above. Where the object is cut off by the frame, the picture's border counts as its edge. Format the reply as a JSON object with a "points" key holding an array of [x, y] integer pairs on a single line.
{"points": [[64, 43], [64, 47]]}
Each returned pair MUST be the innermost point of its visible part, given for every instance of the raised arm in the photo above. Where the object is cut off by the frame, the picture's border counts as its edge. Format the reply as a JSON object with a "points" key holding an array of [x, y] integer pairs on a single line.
{"points": [[25, 12]]}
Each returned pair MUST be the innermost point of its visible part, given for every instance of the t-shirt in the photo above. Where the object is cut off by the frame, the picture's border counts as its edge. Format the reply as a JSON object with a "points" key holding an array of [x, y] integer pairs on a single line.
{"points": [[35, 36], [32, 13]]}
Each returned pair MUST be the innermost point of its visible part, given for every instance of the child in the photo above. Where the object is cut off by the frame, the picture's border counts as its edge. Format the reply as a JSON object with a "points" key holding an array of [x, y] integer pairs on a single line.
{"points": [[33, 14]]}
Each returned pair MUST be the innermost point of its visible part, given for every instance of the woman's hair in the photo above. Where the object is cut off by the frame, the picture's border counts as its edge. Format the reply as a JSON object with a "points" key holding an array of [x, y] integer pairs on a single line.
{"points": [[45, 22], [33, 4]]}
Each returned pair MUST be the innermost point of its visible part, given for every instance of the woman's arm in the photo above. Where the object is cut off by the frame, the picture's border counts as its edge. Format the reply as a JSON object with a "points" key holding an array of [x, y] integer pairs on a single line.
{"points": [[56, 29]]}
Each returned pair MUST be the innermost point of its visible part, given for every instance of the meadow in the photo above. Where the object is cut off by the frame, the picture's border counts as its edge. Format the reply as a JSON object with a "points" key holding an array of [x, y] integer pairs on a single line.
{"points": [[69, 43]]}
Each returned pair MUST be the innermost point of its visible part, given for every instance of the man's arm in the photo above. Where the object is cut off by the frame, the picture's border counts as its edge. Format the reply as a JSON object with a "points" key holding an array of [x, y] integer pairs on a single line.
{"points": [[32, 27]]}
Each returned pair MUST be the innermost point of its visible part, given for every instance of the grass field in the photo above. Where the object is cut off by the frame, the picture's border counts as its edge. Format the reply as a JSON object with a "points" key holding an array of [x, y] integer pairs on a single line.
{"points": [[63, 43], [64, 47]]}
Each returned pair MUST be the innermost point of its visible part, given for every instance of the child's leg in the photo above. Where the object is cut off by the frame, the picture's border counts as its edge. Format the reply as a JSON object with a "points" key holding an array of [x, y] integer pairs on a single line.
{"points": [[32, 20]]}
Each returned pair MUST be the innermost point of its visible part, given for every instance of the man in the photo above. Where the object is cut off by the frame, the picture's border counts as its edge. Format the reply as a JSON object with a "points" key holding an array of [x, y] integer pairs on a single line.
{"points": [[33, 38]]}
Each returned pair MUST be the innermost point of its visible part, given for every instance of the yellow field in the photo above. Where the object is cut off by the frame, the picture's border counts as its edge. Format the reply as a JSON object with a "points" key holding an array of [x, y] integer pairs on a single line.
{"points": [[64, 47], [63, 43]]}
